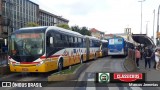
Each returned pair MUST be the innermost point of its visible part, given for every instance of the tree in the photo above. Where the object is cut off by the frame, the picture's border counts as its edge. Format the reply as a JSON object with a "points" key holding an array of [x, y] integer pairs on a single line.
{"points": [[32, 24], [75, 28], [85, 31], [65, 26]]}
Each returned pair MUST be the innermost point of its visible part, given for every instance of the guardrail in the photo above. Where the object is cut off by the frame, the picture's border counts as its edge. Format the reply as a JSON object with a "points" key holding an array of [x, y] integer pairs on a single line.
{"points": [[3, 59]]}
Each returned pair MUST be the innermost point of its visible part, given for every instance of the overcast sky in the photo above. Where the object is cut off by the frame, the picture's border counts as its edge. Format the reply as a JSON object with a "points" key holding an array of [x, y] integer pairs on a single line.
{"points": [[109, 16]]}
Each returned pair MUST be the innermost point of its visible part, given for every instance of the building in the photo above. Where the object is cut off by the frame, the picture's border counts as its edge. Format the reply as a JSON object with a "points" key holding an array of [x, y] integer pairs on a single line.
{"points": [[49, 19], [97, 33], [15, 14]]}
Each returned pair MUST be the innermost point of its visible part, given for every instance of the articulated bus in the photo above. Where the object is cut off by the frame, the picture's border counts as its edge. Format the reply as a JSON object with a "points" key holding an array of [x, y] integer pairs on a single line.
{"points": [[119, 46], [47, 48]]}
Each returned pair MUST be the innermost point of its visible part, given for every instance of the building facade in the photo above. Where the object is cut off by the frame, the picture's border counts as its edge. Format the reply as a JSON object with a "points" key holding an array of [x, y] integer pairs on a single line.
{"points": [[15, 14], [49, 19], [97, 33]]}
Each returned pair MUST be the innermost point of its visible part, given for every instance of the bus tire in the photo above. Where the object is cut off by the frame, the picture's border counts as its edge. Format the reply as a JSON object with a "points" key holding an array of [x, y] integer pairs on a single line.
{"points": [[60, 65], [95, 56], [81, 60]]}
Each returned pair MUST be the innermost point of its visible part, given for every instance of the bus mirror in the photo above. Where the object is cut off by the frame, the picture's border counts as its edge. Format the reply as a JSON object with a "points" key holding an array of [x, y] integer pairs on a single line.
{"points": [[5, 42], [51, 40]]}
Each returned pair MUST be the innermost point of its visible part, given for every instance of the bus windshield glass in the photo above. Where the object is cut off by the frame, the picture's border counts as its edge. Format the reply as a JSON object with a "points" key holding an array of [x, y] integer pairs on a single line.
{"points": [[26, 44], [115, 41]]}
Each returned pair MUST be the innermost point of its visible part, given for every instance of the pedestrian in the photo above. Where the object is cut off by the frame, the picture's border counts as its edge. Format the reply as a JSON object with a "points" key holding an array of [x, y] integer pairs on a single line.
{"points": [[157, 57], [147, 55], [138, 56]]}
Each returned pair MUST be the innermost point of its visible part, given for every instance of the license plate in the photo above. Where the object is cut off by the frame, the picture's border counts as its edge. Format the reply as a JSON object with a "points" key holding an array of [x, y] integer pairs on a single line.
{"points": [[24, 69]]}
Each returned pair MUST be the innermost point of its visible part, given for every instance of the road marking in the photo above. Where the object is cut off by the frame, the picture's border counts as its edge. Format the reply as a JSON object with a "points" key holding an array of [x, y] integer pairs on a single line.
{"points": [[136, 88], [89, 87], [113, 88]]}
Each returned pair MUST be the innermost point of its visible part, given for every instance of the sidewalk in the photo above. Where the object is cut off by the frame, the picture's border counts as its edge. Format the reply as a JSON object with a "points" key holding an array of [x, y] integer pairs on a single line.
{"points": [[152, 74]]}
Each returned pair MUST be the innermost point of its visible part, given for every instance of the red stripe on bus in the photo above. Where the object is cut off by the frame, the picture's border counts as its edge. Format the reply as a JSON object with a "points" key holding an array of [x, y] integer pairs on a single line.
{"points": [[43, 57], [29, 62]]}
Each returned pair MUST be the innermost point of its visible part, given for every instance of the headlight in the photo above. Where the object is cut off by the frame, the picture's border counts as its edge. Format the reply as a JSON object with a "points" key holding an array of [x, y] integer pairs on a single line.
{"points": [[40, 63]]}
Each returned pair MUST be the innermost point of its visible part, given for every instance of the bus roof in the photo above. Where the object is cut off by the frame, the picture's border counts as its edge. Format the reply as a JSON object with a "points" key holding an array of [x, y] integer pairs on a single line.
{"points": [[64, 30], [104, 40], [91, 37], [38, 27], [47, 28]]}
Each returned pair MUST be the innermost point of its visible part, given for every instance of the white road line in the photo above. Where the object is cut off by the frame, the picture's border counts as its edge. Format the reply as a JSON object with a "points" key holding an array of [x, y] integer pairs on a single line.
{"points": [[136, 88], [113, 88], [90, 88]]}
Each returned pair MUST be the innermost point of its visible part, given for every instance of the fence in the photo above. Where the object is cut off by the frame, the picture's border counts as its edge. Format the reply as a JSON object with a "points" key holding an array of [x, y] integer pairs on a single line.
{"points": [[3, 59]]}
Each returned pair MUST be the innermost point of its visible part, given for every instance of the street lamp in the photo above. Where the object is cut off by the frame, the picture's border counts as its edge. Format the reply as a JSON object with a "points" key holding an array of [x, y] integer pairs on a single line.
{"points": [[141, 15], [158, 25], [153, 22], [147, 28]]}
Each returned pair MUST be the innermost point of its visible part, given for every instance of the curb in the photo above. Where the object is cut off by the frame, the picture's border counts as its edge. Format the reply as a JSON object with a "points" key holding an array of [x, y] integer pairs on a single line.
{"points": [[65, 77], [130, 68]]}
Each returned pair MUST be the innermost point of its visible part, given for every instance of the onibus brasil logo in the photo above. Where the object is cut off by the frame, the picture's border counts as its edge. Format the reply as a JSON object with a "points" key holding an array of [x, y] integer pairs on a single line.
{"points": [[104, 77]]}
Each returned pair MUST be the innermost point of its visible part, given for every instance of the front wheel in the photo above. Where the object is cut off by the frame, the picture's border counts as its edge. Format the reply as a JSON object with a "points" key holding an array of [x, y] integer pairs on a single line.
{"points": [[60, 66]]}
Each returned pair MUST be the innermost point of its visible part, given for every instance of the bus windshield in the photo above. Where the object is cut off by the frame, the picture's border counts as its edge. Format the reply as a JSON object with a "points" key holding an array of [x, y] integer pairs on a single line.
{"points": [[26, 44], [115, 41]]}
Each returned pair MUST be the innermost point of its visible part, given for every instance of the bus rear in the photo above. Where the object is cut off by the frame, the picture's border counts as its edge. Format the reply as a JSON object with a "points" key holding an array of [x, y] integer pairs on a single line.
{"points": [[116, 46]]}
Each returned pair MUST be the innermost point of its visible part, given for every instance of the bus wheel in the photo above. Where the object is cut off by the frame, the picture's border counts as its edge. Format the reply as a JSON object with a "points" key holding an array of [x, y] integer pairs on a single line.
{"points": [[95, 56], [81, 61], [60, 66]]}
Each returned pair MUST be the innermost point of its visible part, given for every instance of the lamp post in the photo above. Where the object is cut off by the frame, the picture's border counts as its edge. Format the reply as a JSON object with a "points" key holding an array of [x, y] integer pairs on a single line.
{"points": [[141, 15], [158, 26], [147, 28], [153, 22]]}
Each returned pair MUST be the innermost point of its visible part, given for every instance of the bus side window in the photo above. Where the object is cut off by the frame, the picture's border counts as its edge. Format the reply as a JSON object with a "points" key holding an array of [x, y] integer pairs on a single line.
{"points": [[47, 40]]}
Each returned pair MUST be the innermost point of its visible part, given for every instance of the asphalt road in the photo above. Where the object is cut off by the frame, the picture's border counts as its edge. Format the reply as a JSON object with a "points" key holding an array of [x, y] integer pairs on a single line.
{"points": [[107, 64]]}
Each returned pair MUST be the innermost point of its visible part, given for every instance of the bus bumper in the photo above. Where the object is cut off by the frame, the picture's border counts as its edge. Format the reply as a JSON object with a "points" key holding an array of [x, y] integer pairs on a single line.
{"points": [[45, 67]]}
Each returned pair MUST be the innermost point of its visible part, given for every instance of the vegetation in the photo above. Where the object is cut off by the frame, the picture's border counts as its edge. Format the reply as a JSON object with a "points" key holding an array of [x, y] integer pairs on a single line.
{"points": [[68, 71], [83, 30], [65, 26], [32, 24]]}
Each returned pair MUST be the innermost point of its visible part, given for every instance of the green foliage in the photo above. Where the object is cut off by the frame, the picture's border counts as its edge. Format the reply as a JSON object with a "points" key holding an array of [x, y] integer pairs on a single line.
{"points": [[75, 28], [32, 24], [65, 26], [83, 30]]}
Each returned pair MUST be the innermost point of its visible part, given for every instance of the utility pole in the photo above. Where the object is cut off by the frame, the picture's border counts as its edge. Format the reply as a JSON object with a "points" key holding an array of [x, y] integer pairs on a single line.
{"points": [[141, 15]]}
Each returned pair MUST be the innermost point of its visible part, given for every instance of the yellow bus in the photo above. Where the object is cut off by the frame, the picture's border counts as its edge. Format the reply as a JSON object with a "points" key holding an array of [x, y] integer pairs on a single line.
{"points": [[47, 48]]}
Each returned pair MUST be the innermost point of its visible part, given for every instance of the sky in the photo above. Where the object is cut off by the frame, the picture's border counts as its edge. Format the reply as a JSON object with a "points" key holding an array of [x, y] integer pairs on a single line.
{"points": [[109, 16]]}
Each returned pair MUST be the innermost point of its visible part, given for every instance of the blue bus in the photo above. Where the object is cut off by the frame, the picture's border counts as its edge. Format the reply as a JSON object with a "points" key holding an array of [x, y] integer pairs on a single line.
{"points": [[119, 46]]}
